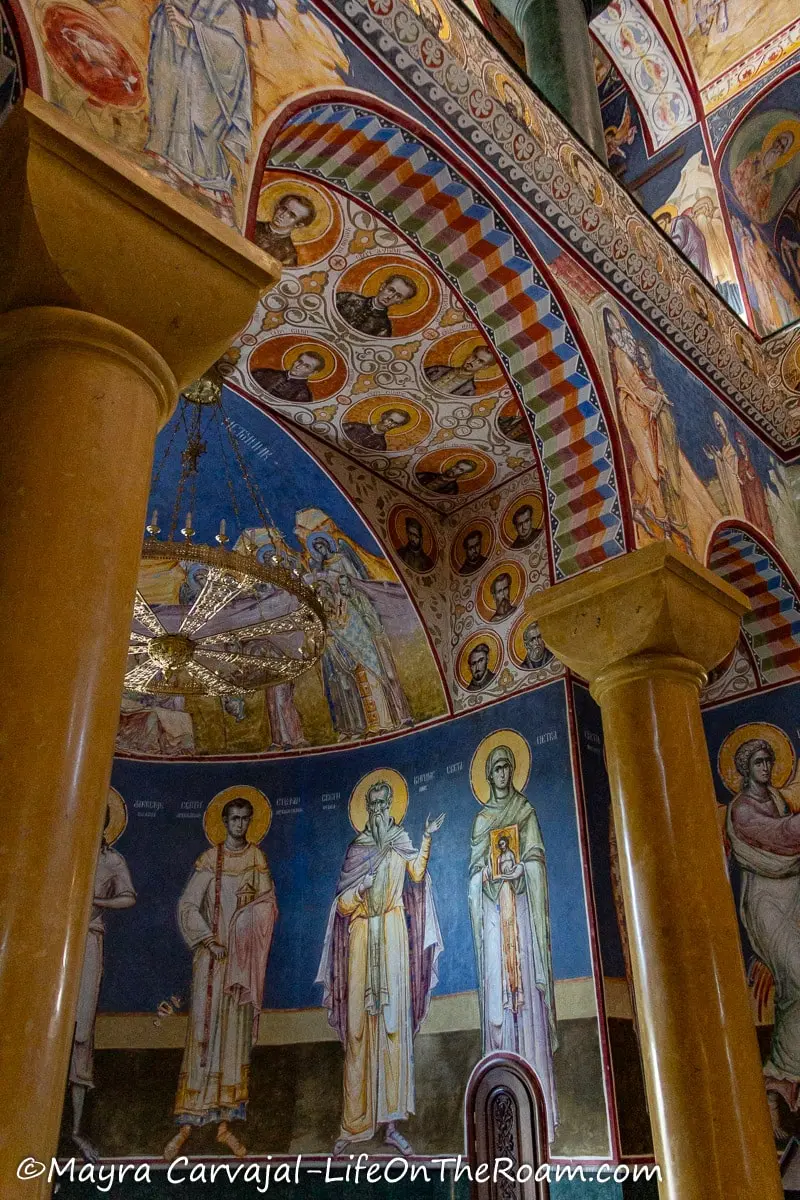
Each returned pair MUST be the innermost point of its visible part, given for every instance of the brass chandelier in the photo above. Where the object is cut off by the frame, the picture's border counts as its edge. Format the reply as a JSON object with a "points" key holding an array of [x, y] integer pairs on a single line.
{"points": [[228, 621]]}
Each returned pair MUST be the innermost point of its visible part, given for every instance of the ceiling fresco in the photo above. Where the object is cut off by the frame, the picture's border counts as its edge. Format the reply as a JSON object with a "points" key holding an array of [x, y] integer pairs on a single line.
{"points": [[734, 132], [364, 344], [378, 674], [120, 75]]}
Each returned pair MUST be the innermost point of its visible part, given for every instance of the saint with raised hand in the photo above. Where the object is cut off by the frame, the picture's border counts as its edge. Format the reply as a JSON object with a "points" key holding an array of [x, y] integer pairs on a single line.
{"points": [[379, 960]]}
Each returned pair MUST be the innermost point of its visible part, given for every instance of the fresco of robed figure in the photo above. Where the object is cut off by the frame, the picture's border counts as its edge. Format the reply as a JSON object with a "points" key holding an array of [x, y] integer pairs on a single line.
{"points": [[382, 920], [763, 832], [226, 914], [510, 913]]}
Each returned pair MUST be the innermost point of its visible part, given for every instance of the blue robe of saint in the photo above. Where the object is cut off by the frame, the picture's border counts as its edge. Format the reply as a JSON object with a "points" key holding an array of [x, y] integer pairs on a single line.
{"points": [[200, 92]]}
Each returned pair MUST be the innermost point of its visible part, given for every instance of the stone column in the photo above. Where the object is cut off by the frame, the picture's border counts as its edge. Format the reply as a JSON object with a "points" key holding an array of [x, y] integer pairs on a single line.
{"points": [[115, 293], [644, 629], [558, 55]]}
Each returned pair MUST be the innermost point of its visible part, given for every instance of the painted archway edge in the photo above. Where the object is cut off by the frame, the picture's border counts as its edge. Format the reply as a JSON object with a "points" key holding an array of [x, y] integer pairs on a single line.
{"points": [[744, 558], [370, 151]]}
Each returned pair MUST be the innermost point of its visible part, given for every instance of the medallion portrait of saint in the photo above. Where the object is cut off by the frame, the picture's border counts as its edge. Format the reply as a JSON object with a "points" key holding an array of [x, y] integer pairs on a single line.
{"points": [[454, 472], [297, 369], [522, 521], [510, 913], [387, 296], [382, 920], [113, 889], [526, 646], [472, 546], [500, 592], [298, 222], [462, 364], [479, 661], [386, 424], [412, 539], [226, 916]]}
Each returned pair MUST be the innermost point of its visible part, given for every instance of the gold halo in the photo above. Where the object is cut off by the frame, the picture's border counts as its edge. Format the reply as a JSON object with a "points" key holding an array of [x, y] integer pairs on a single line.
{"points": [[118, 817], [669, 210], [787, 126], [522, 758], [779, 741], [290, 357], [357, 807], [273, 192], [216, 832], [445, 31], [374, 281]]}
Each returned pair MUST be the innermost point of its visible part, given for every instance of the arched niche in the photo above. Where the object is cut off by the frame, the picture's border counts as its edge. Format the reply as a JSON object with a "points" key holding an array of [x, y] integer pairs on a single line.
{"points": [[506, 1119]]}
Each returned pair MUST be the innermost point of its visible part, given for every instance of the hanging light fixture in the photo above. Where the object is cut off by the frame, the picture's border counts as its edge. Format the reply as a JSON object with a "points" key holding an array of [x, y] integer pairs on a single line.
{"points": [[243, 619]]}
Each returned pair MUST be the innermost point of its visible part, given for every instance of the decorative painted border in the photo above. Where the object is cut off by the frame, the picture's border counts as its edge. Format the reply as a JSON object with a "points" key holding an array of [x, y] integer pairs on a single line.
{"points": [[377, 161], [603, 226]]}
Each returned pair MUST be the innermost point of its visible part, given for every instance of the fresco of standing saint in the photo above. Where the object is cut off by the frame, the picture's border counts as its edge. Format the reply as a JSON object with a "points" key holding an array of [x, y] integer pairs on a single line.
{"points": [[510, 913], [382, 920], [113, 889], [763, 830], [226, 915]]}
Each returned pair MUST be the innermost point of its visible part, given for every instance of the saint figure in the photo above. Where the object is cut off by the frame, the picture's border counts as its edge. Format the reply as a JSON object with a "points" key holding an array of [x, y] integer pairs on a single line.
{"points": [[292, 384], [754, 500], [726, 462], [226, 915], [527, 532], [413, 553], [764, 835], [460, 381], [501, 594], [370, 314], [445, 483], [275, 236], [198, 80], [112, 889], [536, 653], [378, 969], [478, 663], [511, 931], [474, 558], [372, 434]]}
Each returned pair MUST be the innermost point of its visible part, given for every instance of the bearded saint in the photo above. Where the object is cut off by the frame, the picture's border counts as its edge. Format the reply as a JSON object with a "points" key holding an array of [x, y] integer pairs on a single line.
{"points": [[378, 969], [511, 931], [226, 915]]}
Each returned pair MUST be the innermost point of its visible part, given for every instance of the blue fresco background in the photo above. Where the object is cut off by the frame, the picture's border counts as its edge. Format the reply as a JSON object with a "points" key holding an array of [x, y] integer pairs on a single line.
{"points": [[288, 479], [146, 959]]}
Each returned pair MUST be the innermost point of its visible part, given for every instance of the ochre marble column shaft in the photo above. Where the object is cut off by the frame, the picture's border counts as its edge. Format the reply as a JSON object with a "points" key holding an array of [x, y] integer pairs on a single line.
{"points": [[82, 401], [644, 630], [114, 293]]}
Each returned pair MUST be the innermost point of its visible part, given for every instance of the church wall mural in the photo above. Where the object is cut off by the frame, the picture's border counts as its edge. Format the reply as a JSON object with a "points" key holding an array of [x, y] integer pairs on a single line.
{"points": [[133, 75], [760, 169], [753, 746], [378, 673], [481, 845]]}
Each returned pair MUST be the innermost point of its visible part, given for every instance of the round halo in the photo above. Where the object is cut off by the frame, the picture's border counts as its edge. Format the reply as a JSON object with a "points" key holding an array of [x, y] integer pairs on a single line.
{"points": [[357, 807], [522, 759], [782, 747], [213, 827], [117, 817]]}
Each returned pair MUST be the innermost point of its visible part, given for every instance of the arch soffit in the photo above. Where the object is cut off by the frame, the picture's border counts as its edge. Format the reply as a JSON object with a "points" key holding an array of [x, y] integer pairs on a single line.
{"points": [[365, 150]]}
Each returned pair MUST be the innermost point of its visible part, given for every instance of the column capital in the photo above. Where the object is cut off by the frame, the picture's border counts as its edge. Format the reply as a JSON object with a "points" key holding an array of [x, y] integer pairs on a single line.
{"points": [[655, 604], [85, 228]]}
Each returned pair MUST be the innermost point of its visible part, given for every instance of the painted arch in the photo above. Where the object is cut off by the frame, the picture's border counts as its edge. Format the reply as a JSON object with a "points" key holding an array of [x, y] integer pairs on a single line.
{"points": [[374, 156]]}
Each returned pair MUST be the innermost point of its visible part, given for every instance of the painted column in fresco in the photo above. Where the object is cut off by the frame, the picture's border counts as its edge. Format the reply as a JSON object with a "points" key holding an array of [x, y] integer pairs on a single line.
{"points": [[645, 630]]}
